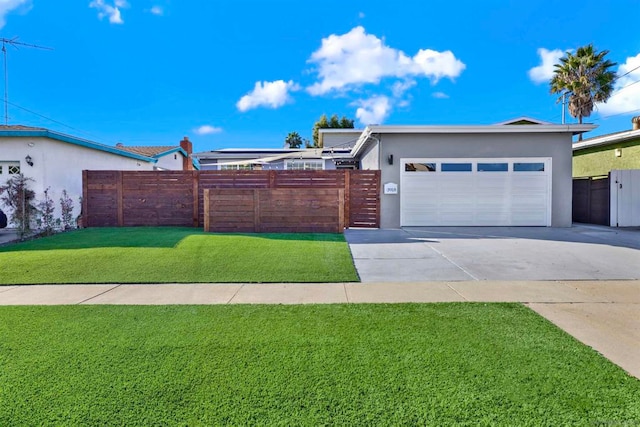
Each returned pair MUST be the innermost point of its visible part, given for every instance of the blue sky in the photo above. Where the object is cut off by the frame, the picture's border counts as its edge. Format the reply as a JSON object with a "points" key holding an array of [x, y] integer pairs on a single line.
{"points": [[245, 73]]}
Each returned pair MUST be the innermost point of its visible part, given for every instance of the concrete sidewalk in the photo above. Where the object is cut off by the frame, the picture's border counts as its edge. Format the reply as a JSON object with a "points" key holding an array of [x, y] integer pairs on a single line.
{"points": [[605, 315]]}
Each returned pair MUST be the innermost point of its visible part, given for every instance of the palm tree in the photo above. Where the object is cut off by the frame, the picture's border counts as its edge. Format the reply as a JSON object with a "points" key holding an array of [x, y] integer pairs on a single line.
{"points": [[586, 78]]}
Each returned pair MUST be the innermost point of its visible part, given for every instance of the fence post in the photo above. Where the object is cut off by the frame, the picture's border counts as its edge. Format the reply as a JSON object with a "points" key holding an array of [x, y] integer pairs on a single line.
{"points": [[272, 179], [347, 198], [378, 198], [119, 197], [341, 210], [195, 176], [85, 199], [206, 210], [256, 210]]}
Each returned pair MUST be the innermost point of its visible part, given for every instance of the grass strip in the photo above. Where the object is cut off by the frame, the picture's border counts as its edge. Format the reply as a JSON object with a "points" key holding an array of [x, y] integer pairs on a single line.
{"points": [[176, 255], [410, 364]]}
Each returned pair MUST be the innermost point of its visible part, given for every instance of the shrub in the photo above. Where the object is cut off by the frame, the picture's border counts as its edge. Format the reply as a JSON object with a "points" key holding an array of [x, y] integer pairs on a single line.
{"points": [[46, 222], [18, 197], [66, 208]]}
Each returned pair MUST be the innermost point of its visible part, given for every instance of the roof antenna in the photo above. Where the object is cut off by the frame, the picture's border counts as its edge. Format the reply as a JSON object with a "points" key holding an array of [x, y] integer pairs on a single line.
{"points": [[13, 42]]}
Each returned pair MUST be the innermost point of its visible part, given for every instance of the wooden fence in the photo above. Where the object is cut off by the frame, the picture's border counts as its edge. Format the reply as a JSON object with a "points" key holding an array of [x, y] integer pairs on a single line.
{"points": [[274, 210], [591, 200], [176, 198]]}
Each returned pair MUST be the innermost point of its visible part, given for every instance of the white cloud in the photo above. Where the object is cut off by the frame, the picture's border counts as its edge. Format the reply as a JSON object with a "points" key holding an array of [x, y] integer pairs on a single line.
{"points": [[207, 130], [544, 72], [626, 94], [268, 94], [373, 110], [157, 10], [358, 58], [7, 6], [399, 88], [110, 11], [440, 95]]}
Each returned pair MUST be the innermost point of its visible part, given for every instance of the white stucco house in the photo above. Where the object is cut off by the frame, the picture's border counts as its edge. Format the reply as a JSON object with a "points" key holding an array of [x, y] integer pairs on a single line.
{"points": [[55, 161]]}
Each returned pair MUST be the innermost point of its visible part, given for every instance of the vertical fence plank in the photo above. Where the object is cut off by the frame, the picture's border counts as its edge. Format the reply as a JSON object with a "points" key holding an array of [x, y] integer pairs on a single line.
{"points": [[85, 199], [341, 208], [347, 197], [206, 211], [120, 198], [195, 177], [256, 210]]}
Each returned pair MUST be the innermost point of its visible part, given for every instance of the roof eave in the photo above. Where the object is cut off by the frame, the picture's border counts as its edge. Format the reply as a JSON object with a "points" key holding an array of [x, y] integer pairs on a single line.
{"points": [[607, 140], [573, 129], [76, 141]]}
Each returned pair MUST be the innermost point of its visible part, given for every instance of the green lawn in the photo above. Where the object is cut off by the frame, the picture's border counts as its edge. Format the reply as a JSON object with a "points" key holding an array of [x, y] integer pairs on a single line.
{"points": [[176, 255], [413, 364]]}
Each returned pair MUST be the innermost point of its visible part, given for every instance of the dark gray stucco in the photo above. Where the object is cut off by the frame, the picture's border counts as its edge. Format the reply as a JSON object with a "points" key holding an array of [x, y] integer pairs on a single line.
{"points": [[557, 146]]}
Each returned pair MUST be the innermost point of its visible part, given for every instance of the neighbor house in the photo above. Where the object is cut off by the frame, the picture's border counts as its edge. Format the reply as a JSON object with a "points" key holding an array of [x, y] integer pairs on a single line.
{"points": [[55, 161], [615, 151], [334, 154], [606, 172]]}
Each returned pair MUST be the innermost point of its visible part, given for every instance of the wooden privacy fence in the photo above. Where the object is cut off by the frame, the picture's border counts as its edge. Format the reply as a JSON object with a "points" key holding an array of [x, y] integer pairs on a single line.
{"points": [[271, 210], [176, 198], [591, 200]]}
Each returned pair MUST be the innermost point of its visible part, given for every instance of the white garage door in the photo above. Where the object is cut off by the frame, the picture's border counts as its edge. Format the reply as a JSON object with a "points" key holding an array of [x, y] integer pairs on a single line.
{"points": [[486, 192]]}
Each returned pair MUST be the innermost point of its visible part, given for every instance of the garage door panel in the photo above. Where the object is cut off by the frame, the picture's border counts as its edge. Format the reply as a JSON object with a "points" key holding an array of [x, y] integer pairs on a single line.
{"points": [[494, 198]]}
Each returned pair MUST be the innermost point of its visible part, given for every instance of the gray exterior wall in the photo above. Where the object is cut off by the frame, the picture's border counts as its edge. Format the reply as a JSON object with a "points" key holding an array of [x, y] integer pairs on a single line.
{"points": [[554, 145], [340, 140]]}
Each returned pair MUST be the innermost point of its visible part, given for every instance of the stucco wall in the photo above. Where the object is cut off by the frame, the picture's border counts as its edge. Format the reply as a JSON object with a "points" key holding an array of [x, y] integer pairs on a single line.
{"points": [[597, 161], [554, 145], [171, 161], [59, 165], [369, 157], [340, 140]]}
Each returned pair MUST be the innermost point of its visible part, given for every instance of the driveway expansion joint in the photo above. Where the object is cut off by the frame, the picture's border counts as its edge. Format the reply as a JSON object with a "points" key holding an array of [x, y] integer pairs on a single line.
{"points": [[99, 294], [235, 294]]}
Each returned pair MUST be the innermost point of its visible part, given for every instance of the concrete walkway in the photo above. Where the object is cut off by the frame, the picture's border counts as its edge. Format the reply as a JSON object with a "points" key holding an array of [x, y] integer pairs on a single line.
{"points": [[604, 315]]}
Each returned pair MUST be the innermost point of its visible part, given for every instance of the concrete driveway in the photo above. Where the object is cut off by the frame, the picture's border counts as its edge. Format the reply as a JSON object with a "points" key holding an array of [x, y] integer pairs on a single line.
{"points": [[419, 254]]}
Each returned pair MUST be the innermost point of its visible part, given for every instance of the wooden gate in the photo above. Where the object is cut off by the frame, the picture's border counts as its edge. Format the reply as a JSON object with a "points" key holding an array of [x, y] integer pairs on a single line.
{"points": [[591, 198]]}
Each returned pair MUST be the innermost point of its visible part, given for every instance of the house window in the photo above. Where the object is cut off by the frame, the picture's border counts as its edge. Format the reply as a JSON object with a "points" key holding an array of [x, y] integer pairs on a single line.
{"points": [[236, 167], [9, 168], [419, 167], [456, 167], [528, 167], [493, 167], [304, 165]]}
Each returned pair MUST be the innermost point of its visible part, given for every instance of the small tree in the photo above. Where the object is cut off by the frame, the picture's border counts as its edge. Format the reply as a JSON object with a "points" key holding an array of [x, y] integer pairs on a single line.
{"points": [[66, 209], [294, 140], [18, 197], [46, 221]]}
